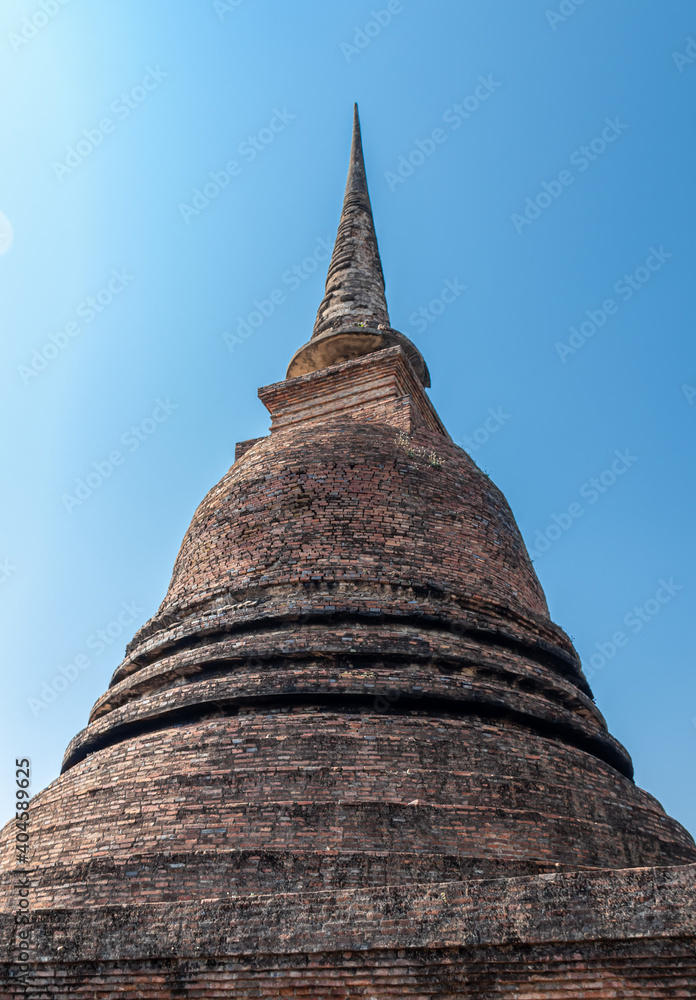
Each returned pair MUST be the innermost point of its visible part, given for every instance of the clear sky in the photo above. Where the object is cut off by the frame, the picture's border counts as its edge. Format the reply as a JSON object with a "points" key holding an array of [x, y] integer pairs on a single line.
{"points": [[168, 166]]}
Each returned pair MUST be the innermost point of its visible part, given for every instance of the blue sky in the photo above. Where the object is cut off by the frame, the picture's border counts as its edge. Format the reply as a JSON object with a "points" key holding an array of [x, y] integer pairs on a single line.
{"points": [[537, 156]]}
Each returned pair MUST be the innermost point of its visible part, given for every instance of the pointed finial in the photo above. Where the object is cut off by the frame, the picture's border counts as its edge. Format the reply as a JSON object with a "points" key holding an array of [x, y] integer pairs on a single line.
{"points": [[357, 180], [355, 282], [353, 319]]}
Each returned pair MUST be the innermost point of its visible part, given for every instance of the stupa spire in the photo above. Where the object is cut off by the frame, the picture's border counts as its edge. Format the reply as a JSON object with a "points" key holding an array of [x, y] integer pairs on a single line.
{"points": [[355, 282], [353, 318]]}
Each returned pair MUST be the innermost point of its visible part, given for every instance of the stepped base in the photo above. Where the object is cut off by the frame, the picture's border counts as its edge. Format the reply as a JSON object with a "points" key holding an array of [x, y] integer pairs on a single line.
{"points": [[605, 934]]}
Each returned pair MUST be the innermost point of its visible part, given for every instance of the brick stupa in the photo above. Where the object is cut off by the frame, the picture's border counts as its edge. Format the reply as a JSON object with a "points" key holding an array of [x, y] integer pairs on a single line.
{"points": [[351, 756]]}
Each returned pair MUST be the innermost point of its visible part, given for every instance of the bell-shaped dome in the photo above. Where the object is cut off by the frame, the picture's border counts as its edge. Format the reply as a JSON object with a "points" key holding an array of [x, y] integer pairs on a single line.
{"points": [[354, 532], [352, 680]]}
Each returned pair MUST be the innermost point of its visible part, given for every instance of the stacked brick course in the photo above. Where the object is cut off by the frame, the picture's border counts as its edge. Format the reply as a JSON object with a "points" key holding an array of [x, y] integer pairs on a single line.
{"points": [[351, 755]]}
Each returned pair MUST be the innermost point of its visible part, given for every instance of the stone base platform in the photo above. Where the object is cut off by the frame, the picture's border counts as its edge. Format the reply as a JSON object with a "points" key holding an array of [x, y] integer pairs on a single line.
{"points": [[596, 934]]}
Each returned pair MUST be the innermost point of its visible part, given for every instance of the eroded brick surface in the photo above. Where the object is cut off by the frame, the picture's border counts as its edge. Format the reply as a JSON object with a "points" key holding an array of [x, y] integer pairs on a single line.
{"points": [[351, 756]]}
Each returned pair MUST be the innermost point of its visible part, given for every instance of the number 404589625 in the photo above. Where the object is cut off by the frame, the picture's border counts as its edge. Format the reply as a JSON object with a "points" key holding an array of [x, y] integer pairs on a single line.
{"points": [[22, 807]]}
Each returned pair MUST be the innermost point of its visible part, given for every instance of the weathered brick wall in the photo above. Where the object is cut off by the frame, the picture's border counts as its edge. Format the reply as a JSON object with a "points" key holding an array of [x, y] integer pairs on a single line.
{"points": [[651, 970], [576, 935], [344, 500], [289, 801]]}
